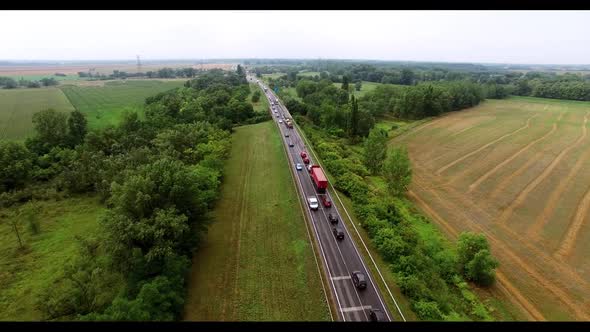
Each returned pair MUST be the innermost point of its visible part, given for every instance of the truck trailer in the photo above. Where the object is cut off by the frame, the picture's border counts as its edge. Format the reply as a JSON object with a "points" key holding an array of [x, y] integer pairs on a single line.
{"points": [[319, 178]]}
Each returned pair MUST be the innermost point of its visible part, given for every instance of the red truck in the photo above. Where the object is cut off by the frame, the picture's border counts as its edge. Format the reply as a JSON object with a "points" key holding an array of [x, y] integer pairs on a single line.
{"points": [[319, 178]]}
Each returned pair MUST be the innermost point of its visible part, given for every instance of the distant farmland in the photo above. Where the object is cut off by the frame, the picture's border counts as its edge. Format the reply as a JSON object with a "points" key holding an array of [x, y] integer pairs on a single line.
{"points": [[105, 105], [17, 107], [45, 71], [516, 170]]}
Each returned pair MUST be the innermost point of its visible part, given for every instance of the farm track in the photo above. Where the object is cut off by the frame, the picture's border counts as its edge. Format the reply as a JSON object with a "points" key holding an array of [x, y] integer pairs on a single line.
{"points": [[532, 185], [482, 178], [501, 246], [246, 168], [573, 229], [442, 169]]}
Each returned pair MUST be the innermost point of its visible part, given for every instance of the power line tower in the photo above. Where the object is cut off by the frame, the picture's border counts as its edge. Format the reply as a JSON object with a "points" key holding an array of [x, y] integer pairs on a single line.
{"points": [[138, 65]]}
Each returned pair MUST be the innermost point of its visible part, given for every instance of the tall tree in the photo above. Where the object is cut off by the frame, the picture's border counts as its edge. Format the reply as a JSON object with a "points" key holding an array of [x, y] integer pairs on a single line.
{"points": [[397, 171], [77, 127], [407, 77], [354, 118], [344, 83], [358, 85], [375, 150]]}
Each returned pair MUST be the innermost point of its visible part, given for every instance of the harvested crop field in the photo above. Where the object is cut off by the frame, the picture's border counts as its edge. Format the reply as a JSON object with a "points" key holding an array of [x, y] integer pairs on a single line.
{"points": [[514, 170]]}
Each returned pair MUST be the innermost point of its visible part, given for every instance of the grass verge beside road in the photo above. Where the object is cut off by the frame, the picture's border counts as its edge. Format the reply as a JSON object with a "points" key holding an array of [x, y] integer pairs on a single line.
{"points": [[256, 263]]}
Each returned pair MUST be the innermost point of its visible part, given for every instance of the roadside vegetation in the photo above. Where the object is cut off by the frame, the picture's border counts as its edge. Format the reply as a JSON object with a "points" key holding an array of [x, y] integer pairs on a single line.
{"points": [[256, 262]]}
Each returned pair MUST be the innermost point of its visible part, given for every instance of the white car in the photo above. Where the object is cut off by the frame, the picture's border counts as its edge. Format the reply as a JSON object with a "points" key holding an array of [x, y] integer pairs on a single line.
{"points": [[313, 203], [298, 167], [280, 121]]}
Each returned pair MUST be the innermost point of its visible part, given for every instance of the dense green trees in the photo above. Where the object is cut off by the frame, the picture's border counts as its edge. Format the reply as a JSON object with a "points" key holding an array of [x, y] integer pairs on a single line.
{"points": [[158, 176], [77, 128], [15, 165], [256, 96]]}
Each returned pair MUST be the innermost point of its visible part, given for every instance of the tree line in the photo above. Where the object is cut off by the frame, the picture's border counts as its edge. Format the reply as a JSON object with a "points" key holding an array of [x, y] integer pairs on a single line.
{"points": [[166, 72], [158, 177], [11, 83]]}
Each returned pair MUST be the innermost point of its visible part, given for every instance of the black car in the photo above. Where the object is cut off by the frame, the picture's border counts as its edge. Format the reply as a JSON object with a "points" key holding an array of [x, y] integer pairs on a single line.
{"points": [[338, 233], [358, 279], [376, 315], [333, 219]]}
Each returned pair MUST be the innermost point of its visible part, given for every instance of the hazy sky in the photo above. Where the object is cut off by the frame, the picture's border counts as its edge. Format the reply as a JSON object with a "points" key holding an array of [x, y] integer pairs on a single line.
{"points": [[543, 37]]}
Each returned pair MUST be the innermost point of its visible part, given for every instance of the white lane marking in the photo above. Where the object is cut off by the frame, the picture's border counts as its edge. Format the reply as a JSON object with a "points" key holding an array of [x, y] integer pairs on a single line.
{"points": [[341, 278], [349, 309]]}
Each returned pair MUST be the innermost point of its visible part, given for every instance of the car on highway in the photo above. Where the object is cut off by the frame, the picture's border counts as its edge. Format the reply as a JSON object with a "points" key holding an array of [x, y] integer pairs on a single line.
{"points": [[298, 166], [303, 154], [286, 134], [313, 203], [326, 201], [376, 315], [291, 144], [306, 160], [333, 218], [338, 233], [359, 280], [280, 121]]}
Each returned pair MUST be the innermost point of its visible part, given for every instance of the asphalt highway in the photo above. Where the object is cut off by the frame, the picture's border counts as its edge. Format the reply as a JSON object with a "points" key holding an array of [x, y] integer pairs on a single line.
{"points": [[340, 257]]}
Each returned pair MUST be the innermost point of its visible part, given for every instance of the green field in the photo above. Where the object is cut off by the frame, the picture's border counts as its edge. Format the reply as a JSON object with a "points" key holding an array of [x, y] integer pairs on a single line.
{"points": [[309, 73], [18, 105], [256, 263], [104, 105], [273, 75], [24, 273], [262, 105], [365, 87]]}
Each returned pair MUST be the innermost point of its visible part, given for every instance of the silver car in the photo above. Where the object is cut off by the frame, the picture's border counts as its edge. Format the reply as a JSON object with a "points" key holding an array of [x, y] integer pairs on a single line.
{"points": [[313, 203]]}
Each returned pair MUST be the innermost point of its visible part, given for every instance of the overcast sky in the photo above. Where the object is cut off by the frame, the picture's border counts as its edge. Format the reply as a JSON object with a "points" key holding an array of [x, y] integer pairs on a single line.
{"points": [[540, 37]]}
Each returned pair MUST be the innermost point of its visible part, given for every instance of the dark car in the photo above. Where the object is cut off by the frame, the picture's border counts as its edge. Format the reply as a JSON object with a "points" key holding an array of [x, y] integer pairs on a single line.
{"points": [[326, 201], [338, 233], [358, 279], [291, 144], [376, 315], [303, 154], [306, 160], [333, 219]]}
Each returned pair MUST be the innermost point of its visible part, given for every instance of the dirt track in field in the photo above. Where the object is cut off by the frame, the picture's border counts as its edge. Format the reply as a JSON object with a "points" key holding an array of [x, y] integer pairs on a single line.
{"points": [[517, 179]]}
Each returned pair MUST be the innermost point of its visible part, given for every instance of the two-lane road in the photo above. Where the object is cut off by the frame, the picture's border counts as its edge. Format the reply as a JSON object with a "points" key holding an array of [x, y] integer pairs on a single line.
{"points": [[340, 257]]}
